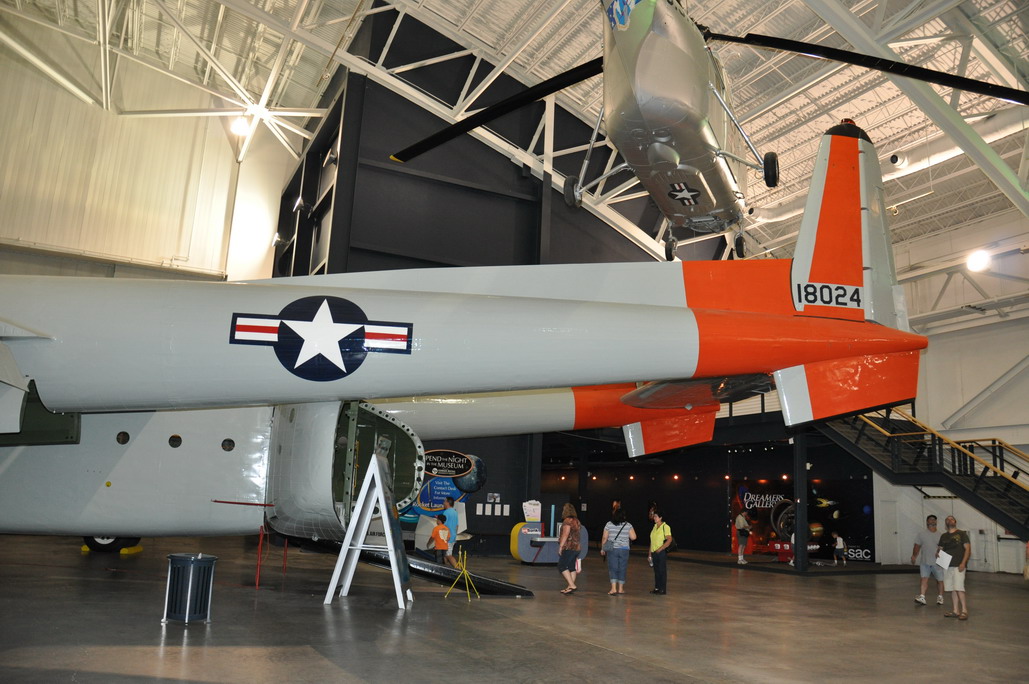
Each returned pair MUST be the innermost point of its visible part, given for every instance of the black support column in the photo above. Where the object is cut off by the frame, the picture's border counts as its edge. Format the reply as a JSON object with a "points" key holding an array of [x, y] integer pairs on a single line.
{"points": [[801, 530]]}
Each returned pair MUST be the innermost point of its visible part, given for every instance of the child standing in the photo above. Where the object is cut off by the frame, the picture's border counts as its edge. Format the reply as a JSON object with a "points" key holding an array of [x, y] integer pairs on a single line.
{"points": [[440, 538], [839, 552]]}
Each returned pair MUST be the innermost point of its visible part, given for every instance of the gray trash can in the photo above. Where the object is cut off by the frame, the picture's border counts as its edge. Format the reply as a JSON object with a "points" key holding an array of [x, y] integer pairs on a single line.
{"points": [[190, 583]]}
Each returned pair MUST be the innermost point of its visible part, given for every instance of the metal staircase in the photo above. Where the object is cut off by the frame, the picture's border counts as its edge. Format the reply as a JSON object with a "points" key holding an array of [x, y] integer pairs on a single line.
{"points": [[990, 475]]}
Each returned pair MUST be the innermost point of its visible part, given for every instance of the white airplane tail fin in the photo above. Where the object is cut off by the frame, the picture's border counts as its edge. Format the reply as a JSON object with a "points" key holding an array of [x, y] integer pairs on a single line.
{"points": [[843, 265]]}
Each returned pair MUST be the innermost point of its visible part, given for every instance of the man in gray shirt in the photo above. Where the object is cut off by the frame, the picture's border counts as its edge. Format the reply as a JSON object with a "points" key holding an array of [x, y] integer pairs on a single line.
{"points": [[924, 555]]}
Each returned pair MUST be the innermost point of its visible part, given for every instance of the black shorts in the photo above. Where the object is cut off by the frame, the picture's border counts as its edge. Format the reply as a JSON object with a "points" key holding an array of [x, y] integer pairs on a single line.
{"points": [[566, 561]]}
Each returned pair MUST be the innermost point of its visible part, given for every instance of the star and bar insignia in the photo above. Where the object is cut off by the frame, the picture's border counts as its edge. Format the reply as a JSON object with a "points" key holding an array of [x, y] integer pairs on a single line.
{"points": [[321, 338], [684, 193]]}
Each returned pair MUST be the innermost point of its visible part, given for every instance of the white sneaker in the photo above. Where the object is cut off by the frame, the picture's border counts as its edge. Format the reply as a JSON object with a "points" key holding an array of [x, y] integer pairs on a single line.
{"points": [[939, 600], [741, 562], [920, 599]]}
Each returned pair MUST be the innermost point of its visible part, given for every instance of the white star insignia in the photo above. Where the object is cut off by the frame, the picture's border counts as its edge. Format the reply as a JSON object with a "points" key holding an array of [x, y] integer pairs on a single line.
{"points": [[322, 336], [685, 195]]}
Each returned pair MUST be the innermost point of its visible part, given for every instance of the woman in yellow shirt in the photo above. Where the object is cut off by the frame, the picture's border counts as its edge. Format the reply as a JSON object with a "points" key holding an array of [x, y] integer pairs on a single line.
{"points": [[660, 540]]}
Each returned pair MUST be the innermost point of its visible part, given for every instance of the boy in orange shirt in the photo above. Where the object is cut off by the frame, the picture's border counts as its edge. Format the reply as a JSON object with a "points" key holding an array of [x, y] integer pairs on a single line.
{"points": [[440, 538]]}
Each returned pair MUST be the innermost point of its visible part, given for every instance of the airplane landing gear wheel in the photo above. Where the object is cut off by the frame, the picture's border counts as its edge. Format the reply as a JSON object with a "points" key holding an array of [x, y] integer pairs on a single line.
{"points": [[109, 544], [572, 198], [771, 168], [670, 247]]}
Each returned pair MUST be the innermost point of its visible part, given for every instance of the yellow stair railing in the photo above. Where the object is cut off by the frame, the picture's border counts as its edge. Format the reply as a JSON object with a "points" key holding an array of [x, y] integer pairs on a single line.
{"points": [[960, 456]]}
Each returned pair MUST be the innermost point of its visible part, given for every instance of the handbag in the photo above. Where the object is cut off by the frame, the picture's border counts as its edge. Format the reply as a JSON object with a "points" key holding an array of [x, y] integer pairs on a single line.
{"points": [[609, 545]]}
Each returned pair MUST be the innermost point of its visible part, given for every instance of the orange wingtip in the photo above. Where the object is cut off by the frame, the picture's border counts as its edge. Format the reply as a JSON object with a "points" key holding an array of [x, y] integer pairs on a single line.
{"points": [[825, 389], [662, 434]]}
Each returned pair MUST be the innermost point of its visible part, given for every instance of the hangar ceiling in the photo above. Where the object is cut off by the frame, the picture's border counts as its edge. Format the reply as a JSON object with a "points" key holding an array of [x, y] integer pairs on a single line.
{"points": [[273, 60]]}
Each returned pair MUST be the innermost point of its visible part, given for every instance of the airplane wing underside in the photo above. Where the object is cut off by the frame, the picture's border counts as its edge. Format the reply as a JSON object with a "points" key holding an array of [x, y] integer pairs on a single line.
{"points": [[13, 386], [698, 392]]}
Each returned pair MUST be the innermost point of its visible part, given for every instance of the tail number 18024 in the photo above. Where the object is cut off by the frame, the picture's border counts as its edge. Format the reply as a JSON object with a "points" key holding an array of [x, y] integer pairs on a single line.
{"points": [[821, 294]]}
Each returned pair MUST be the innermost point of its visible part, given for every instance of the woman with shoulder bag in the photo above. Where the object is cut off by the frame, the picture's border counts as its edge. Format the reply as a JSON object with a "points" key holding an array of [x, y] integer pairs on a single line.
{"points": [[568, 547], [660, 540], [614, 544]]}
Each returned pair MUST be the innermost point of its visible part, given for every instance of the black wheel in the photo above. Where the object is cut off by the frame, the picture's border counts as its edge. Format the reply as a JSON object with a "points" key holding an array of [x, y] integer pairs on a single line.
{"points": [[572, 198], [738, 247], [670, 247], [783, 519], [109, 544], [771, 169]]}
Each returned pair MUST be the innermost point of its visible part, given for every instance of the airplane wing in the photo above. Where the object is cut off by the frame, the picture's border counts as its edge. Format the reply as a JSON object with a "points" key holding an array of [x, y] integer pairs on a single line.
{"points": [[13, 384], [698, 393], [701, 397]]}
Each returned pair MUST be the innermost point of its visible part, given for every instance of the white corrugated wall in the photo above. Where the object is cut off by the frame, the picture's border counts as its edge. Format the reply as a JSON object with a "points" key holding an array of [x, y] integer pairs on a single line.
{"points": [[79, 180]]}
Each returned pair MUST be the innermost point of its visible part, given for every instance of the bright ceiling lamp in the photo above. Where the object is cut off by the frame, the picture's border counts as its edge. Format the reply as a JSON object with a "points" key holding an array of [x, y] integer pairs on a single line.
{"points": [[240, 126], [978, 261]]}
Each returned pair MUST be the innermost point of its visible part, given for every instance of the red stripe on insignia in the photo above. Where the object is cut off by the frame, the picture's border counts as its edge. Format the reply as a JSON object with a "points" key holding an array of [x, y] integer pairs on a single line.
{"points": [[386, 337], [257, 328]]}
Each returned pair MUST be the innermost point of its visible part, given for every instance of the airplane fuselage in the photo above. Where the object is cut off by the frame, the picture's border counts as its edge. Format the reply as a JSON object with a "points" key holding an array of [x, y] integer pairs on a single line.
{"points": [[827, 328], [101, 345]]}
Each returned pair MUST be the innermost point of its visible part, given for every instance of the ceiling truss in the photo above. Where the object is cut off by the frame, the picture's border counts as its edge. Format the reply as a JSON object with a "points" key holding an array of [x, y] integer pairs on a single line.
{"points": [[270, 62]]}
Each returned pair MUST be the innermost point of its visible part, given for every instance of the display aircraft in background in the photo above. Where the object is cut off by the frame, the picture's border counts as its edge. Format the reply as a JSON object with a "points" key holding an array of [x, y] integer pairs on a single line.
{"points": [[668, 111], [190, 408]]}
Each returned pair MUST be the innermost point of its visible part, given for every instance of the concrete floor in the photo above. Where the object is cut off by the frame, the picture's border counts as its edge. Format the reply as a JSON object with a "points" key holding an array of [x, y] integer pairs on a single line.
{"points": [[71, 616]]}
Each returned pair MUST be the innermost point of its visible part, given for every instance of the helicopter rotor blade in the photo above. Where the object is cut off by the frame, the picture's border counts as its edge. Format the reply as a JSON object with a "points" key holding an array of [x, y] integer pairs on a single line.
{"points": [[506, 106], [877, 64]]}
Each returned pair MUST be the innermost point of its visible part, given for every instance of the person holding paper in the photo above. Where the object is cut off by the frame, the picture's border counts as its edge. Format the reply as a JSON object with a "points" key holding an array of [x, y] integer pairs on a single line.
{"points": [[953, 551]]}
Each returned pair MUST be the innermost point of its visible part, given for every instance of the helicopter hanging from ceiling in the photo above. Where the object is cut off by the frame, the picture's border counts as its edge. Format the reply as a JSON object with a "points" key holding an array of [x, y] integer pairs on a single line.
{"points": [[668, 111]]}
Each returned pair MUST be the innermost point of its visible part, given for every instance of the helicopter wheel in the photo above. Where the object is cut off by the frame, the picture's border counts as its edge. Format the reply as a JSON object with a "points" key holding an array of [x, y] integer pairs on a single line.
{"points": [[738, 246], [670, 247], [771, 168], [572, 198]]}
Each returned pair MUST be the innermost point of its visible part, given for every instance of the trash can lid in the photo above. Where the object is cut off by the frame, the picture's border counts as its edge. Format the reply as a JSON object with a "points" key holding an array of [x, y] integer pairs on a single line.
{"points": [[189, 557]]}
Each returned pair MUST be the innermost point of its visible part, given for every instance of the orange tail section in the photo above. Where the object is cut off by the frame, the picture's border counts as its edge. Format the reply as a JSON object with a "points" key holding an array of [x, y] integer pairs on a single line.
{"points": [[843, 264], [843, 269]]}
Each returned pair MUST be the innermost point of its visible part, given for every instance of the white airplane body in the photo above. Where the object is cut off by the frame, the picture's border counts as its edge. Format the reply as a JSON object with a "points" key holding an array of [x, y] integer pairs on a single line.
{"points": [[275, 364]]}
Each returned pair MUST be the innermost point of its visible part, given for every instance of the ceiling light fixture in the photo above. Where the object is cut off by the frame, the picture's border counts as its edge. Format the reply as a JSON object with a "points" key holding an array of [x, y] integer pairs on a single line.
{"points": [[240, 126], [301, 206], [978, 261]]}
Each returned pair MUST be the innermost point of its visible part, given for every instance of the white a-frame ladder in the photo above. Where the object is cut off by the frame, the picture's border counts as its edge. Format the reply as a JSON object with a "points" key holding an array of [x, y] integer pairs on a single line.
{"points": [[376, 493]]}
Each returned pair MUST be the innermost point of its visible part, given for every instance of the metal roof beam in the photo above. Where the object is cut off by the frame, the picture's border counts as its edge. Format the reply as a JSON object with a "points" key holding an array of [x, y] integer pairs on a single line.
{"points": [[463, 106], [430, 61], [988, 53], [928, 13], [50, 70], [270, 84], [211, 59], [851, 28]]}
